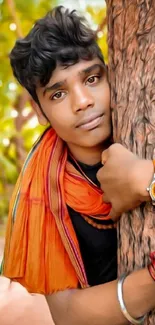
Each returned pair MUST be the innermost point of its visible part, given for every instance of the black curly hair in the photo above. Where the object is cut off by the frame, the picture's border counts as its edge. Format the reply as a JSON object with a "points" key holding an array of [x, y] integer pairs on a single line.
{"points": [[61, 37]]}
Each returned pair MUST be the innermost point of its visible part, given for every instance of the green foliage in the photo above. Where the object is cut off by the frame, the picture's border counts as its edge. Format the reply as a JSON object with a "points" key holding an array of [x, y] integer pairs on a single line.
{"points": [[19, 127]]}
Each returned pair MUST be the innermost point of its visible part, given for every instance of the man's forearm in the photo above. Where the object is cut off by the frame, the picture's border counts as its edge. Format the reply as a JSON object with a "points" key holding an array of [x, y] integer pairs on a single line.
{"points": [[99, 305]]}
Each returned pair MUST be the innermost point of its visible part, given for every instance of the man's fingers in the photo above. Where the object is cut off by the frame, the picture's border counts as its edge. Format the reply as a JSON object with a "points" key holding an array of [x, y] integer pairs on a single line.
{"points": [[99, 175], [114, 215], [104, 157], [105, 198], [113, 149]]}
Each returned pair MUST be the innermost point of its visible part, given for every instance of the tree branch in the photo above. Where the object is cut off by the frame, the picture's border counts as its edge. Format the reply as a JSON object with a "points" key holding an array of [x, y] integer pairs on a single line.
{"points": [[12, 9]]}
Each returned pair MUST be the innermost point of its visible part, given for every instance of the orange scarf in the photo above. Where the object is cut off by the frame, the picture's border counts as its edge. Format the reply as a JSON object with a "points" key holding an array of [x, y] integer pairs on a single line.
{"points": [[42, 251]]}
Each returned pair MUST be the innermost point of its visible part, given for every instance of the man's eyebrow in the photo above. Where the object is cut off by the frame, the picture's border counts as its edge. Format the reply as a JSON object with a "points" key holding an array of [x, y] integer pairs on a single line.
{"points": [[90, 69], [54, 86], [59, 84]]}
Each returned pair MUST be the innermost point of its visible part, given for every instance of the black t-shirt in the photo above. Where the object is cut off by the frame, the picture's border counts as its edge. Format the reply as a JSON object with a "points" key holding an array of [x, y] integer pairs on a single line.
{"points": [[98, 246]]}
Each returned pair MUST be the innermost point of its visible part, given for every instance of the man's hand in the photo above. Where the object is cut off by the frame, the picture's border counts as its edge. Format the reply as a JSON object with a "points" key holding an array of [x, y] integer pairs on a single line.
{"points": [[124, 179], [18, 307]]}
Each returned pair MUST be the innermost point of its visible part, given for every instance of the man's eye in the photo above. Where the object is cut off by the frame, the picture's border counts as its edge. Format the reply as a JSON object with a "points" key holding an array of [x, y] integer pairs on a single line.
{"points": [[58, 95], [93, 79]]}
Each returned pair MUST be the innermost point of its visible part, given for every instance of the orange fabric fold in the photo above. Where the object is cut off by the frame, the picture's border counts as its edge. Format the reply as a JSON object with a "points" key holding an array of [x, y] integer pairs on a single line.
{"points": [[41, 250]]}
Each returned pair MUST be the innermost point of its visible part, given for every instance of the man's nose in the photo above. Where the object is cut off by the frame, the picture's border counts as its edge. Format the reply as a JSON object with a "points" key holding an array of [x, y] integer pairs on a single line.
{"points": [[82, 99]]}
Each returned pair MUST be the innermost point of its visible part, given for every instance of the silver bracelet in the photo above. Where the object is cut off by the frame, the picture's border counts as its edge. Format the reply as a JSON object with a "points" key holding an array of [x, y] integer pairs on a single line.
{"points": [[132, 320]]}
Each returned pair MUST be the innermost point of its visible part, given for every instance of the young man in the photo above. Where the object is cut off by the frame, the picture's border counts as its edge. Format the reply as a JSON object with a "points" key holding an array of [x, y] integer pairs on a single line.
{"points": [[60, 236], [59, 204]]}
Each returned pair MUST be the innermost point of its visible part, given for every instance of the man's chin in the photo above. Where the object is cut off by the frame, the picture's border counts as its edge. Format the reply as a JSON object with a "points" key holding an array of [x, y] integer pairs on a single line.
{"points": [[96, 141]]}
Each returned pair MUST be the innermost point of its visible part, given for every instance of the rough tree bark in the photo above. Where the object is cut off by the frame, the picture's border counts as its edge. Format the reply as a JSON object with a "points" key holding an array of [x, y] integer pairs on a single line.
{"points": [[131, 38]]}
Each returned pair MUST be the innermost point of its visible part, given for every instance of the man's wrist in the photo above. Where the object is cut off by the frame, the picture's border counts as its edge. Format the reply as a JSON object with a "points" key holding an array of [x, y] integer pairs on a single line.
{"points": [[147, 177]]}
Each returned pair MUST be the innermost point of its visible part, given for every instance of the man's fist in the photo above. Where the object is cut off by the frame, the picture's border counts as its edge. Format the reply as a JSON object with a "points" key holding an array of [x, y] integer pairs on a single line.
{"points": [[124, 179]]}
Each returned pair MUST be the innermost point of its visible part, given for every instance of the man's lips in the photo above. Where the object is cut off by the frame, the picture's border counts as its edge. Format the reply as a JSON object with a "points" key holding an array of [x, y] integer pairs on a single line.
{"points": [[91, 122]]}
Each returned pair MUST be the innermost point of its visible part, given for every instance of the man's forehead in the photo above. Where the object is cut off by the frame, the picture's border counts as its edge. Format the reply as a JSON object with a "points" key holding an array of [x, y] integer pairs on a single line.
{"points": [[62, 72]]}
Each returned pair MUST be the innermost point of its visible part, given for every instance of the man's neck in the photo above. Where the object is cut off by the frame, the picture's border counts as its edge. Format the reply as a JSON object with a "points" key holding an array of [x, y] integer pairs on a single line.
{"points": [[89, 156]]}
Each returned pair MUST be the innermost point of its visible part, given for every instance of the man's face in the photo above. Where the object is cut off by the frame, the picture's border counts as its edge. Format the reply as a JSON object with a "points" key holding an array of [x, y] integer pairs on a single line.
{"points": [[76, 101]]}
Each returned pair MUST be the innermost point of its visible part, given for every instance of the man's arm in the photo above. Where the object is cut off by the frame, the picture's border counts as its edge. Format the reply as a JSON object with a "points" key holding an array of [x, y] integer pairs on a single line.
{"points": [[98, 305], [18, 307], [124, 179]]}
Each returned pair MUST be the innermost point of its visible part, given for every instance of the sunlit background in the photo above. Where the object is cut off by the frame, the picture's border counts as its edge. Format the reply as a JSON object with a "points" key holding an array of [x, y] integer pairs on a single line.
{"points": [[19, 127]]}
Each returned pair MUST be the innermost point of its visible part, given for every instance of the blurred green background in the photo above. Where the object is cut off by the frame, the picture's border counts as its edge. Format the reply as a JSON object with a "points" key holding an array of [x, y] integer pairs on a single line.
{"points": [[19, 127]]}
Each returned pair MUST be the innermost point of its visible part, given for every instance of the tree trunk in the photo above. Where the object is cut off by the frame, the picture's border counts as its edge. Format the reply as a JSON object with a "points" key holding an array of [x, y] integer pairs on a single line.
{"points": [[131, 38]]}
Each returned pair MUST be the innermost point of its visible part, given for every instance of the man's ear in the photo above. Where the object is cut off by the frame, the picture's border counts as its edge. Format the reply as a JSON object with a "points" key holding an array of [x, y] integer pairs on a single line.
{"points": [[41, 117]]}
